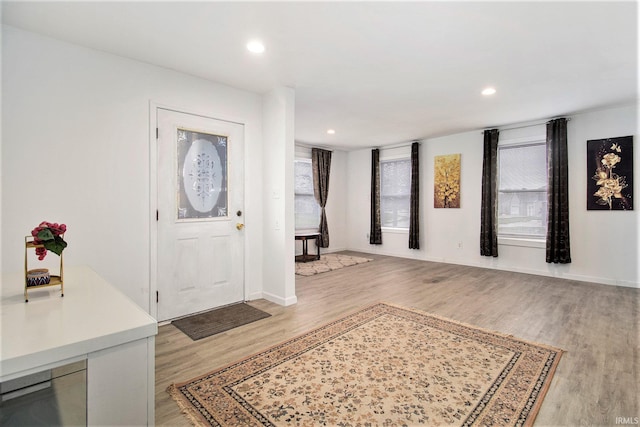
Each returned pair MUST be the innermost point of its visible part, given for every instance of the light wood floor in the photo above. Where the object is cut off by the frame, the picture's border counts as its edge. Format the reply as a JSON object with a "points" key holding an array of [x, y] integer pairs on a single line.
{"points": [[597, 325]]}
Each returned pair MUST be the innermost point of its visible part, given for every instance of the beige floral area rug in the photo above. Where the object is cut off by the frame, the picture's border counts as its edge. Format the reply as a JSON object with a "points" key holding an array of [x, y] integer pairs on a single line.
{"points": [[328, 262], [381, 366]]}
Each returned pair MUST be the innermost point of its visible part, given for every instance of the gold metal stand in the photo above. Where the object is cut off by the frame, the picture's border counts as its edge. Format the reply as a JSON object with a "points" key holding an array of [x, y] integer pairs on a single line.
{"points": [[54, 280]]}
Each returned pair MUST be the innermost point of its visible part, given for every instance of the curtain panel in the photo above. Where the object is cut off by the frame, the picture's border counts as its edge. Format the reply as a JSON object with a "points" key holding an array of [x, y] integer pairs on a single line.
{"points": [[375, 233], [414, 212], [321, 166], [558, 247], [489, 217]]}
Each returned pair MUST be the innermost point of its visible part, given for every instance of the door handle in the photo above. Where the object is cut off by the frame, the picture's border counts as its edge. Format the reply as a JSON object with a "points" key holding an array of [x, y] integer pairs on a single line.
{"points": [[239, 226]]}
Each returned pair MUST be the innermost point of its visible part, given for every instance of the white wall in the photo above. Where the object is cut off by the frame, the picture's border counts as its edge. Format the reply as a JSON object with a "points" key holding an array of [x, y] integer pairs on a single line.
{"points": [[278, 223], [604, 245], [75, 143], [336, 208]]}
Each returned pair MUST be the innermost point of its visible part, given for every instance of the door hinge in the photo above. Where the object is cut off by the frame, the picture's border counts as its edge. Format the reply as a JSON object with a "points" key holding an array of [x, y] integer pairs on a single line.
{"points": [[157, 296], [157, 133], [157, 215]]}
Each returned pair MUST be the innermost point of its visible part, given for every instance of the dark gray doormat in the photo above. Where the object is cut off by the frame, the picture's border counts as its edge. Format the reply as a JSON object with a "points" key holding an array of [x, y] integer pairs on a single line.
{"points": [[213, 322]]}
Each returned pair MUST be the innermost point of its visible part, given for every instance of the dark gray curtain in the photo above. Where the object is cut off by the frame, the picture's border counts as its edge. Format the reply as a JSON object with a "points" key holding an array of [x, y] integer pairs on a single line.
{"points": [[558, 248], [321, 165], [375, 234], [414, 212], [489, 217]]}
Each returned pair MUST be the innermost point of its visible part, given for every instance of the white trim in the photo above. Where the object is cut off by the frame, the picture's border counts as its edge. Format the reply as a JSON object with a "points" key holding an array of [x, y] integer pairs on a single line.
{"points": [[395, 230], [413, 254], [302, 153], [153, 207], [523, 242], [307, 230], [397, 153], [525, 140], [331, 250], [310, 146], [279, 300], [543, 273], [254, 296]]}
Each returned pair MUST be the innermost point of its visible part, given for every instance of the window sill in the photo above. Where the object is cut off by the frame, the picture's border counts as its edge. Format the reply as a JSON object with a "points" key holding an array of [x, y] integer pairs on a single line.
{"points": [[306, 230], [395, 230], [523, 242]]}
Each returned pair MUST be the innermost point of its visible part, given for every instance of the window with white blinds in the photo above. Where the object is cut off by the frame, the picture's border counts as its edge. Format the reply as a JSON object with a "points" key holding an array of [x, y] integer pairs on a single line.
{"points": [[307, 210], [395, 193], [522, 191]]}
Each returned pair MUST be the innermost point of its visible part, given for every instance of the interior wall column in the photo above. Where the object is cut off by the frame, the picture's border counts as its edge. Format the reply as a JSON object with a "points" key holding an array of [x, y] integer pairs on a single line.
{"points": [[278, 189]]}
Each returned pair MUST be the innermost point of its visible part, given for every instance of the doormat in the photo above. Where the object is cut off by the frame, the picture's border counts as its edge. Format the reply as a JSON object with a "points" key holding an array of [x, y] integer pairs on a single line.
{"points": [[328, 262], [382, 365], [213, 322]]}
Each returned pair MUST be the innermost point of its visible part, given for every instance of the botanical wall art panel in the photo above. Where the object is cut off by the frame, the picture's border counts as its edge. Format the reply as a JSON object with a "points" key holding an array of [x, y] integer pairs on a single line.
{"points": [[610, 173], [202, 175], [446, 182]]}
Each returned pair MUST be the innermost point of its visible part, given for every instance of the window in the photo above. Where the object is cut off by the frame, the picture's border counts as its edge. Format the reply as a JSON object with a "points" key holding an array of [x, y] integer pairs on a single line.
{"points": [[522, 191], [395, 193], [307, 210]]}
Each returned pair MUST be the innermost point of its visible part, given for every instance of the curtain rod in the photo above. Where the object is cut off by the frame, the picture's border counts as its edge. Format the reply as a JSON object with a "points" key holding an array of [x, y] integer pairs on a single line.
{"points": [[525, 126]]}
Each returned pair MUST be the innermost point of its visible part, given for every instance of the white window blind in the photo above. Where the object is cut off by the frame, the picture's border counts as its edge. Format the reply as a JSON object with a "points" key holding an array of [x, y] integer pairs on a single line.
{"points": [[307, 210], [395, 192], [522, 191]]}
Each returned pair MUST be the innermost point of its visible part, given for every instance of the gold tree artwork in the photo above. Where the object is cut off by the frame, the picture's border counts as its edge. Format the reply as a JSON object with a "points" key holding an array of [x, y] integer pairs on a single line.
{"points": [[446, 182]]}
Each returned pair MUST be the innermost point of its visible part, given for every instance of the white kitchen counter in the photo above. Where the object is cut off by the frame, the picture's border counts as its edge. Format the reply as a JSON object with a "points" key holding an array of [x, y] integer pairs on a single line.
{"points": [[93, 321]]}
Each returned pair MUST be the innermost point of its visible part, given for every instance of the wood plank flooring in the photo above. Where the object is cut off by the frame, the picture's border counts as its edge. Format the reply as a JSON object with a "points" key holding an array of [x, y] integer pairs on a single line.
{"points": [[597, 381]]}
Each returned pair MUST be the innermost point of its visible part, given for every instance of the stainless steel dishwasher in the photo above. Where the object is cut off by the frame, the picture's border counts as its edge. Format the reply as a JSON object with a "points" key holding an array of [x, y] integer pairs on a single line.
{"points": [[54, 397]]}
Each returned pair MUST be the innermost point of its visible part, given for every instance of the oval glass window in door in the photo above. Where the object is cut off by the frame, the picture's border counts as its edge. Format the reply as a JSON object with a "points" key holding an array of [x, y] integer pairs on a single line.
{"points": [[202, 172]]}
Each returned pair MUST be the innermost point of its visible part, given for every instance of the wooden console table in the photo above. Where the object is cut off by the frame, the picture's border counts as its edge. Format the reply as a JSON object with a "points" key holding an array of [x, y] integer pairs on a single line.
{"points": [[305, 237]]}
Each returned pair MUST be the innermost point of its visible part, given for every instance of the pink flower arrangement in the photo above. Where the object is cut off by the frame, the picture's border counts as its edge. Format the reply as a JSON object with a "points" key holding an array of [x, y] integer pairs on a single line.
{"points": [[50, 236]]}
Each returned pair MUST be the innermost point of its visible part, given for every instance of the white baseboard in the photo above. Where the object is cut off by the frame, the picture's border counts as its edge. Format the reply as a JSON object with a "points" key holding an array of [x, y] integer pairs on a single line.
{"points": [[559, 275], [325, 251], [545, 273], [331, 250], [254, 296], [279, 300]]}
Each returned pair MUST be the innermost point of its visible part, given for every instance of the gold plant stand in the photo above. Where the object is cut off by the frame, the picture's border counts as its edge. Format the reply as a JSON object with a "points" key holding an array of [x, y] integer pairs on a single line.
{"points": [[54, 280]]}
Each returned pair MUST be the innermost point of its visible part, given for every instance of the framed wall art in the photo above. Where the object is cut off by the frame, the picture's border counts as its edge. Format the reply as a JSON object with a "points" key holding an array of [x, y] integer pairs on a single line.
{"points": [[446, 181], [610, 174]]}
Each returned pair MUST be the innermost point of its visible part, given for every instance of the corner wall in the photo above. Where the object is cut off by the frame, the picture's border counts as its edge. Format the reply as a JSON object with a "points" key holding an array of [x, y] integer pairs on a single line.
{"points": [[604, 244], [278, 222]]}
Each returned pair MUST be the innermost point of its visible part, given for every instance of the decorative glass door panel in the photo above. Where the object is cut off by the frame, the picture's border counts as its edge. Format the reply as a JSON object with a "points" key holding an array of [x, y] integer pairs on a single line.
{"points": [[202, 175]]}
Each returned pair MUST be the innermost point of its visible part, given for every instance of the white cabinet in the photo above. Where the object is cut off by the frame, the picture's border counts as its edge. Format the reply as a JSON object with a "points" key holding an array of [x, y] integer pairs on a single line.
{"points": [[93, 322], [110, 369]]}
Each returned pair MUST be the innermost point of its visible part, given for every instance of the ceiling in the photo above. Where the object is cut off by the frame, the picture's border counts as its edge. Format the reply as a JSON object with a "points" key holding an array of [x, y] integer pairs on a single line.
{"points": [[378, 73]]}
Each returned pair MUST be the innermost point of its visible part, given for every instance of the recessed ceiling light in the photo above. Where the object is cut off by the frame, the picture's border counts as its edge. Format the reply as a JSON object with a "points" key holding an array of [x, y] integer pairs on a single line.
{"points": [[255, 46], [331, 131], [489, 91]]}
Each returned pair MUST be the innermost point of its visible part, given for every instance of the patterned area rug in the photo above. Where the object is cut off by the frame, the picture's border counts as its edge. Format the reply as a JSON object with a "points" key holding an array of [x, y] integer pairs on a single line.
{"points": [[383, 365], [328, 262]]}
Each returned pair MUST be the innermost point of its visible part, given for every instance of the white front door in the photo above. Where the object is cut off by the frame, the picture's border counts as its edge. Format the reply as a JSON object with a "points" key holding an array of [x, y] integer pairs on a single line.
{"points": [[200, 183]]}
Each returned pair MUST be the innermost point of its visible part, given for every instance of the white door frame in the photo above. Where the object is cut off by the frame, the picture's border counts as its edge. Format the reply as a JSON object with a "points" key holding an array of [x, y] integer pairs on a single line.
{"points": [[153, 195]]}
